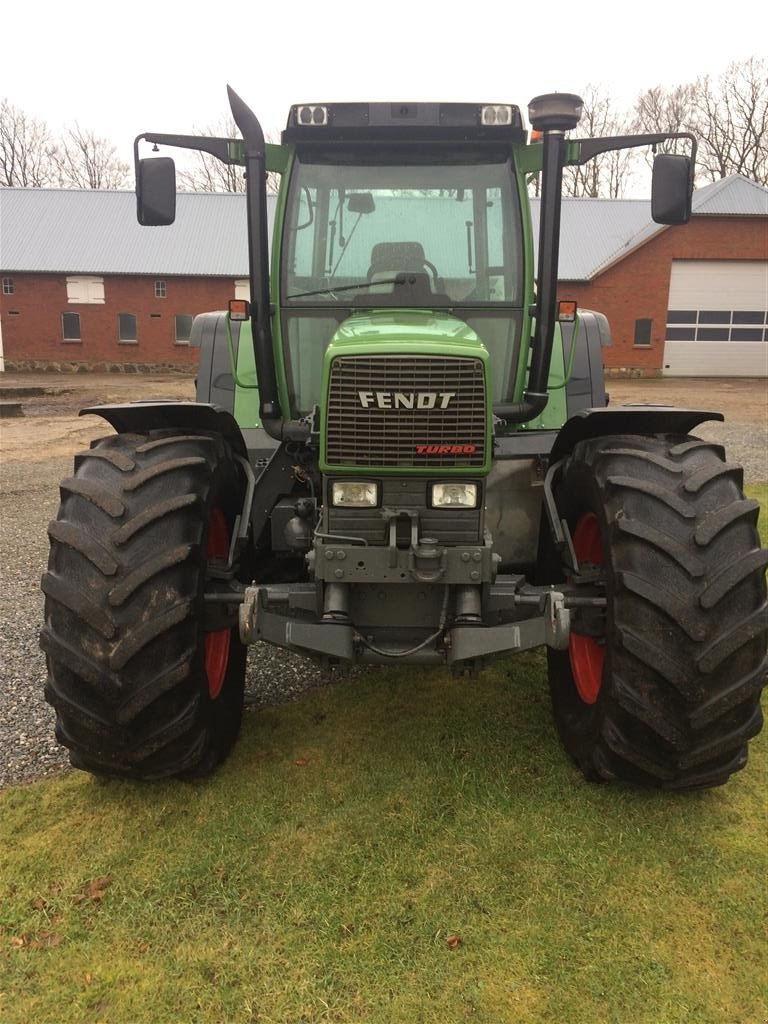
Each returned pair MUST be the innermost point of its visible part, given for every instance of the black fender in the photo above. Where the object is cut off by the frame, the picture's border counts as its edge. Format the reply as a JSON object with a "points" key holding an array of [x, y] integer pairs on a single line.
{"points": [[192, 417], [626, 419]]}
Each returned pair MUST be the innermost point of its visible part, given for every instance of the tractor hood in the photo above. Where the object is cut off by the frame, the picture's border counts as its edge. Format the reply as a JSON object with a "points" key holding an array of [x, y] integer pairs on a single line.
{"points": [[415, 331], [422, 408]]}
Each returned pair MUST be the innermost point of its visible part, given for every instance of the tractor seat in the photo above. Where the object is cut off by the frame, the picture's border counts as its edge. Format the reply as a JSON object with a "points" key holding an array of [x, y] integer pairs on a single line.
{"points": [[397, 257]]}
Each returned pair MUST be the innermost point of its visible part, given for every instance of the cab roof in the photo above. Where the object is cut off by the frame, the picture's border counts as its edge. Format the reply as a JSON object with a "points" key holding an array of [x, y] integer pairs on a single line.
{"points": [[404, 122]]}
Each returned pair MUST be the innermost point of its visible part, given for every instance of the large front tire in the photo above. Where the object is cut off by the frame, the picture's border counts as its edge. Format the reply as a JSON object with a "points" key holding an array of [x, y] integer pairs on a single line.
{"points": [[140, 687], [668, 696]]}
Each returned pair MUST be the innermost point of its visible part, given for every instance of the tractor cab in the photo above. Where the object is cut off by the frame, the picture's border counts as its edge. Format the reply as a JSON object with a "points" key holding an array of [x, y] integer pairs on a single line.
{"points": [[383, 227]]}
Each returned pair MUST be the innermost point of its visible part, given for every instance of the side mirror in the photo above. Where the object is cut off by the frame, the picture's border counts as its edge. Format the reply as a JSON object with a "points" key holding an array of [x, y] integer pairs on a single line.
{"points": [[156, 191], [671, 189]]}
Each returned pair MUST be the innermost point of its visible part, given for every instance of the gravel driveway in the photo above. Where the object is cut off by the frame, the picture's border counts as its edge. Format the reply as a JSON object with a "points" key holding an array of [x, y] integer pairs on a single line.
{"points": [[29, 499]]}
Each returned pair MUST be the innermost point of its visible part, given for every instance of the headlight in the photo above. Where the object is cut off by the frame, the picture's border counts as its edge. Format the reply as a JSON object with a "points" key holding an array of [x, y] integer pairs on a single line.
{"points": [[354, 494], [454, 496]]}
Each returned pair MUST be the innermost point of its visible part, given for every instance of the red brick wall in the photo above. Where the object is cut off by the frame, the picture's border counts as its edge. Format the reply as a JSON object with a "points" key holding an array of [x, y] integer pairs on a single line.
{"points": [[637, 287], [35, 334]]}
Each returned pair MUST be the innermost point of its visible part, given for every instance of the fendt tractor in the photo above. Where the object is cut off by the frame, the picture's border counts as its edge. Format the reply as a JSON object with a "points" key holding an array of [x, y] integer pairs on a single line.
{"points": [[402, 452]]}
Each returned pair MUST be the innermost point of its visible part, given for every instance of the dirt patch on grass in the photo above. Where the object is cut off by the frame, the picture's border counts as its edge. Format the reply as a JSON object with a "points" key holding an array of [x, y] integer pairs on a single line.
{"points": [[740, 399], [51, 425]]}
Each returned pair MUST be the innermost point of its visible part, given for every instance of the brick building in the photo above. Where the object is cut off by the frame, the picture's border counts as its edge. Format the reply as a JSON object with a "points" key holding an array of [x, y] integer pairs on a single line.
{"points": [[83, 284], [690, 300]]}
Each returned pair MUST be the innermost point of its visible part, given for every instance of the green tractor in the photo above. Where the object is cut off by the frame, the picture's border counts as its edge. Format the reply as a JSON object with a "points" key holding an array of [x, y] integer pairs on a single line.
{"points": [[402, 452]]}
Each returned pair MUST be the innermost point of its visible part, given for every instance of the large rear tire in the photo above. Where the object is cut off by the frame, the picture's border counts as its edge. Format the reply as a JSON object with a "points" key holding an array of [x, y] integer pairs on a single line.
{"points": [[668, 695], [141, 689]]}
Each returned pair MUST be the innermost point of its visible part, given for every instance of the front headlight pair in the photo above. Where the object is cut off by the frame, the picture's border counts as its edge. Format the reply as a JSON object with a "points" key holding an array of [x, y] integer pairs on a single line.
{"points": [[365, 494]]}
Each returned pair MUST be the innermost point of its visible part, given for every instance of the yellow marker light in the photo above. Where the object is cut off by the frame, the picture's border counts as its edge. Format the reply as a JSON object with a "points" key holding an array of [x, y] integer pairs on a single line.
{"points": [[566, 311], [354, 494], [239, 309], [454, 495]]}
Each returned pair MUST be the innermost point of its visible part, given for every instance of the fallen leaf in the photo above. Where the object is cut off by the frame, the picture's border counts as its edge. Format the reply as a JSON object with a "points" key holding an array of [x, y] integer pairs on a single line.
{"points": [[94, 890], [453, 941], [18, 941], [302, 761], [39, 903], [87, 977]]}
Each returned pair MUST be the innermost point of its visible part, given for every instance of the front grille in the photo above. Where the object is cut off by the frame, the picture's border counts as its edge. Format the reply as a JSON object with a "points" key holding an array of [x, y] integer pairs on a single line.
{"points": [[374, 436]]}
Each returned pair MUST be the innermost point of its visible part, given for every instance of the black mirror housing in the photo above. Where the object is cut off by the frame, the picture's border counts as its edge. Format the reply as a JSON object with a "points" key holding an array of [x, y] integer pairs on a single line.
{"points": [[156, 191], [671, 189]]}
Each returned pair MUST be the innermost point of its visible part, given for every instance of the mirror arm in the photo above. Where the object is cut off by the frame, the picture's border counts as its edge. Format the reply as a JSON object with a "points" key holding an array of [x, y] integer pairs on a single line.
{"points": [[589, 148], [204, 144]]}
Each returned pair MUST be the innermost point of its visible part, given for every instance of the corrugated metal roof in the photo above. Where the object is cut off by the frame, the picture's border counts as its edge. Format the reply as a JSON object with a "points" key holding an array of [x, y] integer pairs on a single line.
{"points": [[590, 229], [734, 196], [89, 232], [731, 196], [595, 233]]}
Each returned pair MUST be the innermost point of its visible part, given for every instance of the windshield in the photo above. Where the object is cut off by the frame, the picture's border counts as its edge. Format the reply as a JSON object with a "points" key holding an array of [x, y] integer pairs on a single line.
{"points": [[417, 235]]}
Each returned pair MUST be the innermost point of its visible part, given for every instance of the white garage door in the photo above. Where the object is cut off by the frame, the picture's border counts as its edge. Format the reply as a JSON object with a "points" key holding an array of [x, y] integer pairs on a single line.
{"points": [[717, 323]]}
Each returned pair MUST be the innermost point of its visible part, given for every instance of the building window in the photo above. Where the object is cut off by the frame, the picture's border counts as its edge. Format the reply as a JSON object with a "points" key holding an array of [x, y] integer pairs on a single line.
{"points": [[70, 326], [183, 328], [160, 291], [717, 325], [643, 330], [127, 328], [85, 290], [8, 288]]}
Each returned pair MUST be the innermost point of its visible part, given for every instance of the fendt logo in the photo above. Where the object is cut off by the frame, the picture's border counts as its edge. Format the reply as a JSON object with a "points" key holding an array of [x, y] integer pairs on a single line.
{"points": [[406, 399]]}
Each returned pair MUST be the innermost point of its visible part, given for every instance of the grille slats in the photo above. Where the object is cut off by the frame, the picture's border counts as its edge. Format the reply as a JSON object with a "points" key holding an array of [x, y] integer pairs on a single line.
{"points": [[359, 436]]}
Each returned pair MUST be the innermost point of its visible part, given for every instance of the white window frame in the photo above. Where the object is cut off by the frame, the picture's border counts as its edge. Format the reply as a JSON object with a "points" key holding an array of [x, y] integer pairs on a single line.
{"points": [[8, 286], [127, 341], [161, 289], [176, 339]]}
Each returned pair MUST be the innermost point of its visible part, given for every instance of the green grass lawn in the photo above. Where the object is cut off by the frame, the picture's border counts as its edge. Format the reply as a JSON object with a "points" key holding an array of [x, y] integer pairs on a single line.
{"points": [[403, 847]]}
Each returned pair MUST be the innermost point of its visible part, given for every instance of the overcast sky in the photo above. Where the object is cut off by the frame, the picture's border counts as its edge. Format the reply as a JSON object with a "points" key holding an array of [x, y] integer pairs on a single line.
{"points": [[144, 66]]}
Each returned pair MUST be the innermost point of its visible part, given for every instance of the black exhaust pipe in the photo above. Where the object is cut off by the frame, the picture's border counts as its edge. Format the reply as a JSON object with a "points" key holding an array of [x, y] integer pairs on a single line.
{"points": [[553, 114], [258, 262]]}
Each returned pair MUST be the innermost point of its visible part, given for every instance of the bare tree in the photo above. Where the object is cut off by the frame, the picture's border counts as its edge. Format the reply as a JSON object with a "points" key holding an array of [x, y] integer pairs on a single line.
{"points": [[25, 150], [728, 115], [210, 175], [664, 110], [608, 174], [86, 160]]}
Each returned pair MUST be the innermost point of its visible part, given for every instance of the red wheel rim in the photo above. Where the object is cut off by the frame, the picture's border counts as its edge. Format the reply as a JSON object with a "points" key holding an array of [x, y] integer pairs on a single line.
{"points": [[586, 654], [217, 643]]}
